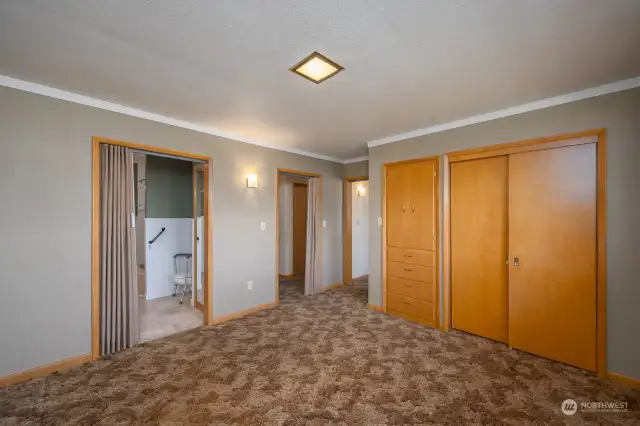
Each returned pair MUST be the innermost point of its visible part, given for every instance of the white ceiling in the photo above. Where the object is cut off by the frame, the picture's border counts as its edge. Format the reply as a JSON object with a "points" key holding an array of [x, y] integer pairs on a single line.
{"points": [[409, 64]]}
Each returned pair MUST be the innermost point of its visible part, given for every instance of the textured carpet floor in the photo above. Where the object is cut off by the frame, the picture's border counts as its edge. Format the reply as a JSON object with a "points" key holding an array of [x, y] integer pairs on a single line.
{"points": [[320, 360]]}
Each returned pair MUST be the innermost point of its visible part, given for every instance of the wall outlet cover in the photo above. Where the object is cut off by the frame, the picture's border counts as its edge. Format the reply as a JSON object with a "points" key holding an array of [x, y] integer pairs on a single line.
{"points": [[324, 223], [263, 226], [249, 285]]}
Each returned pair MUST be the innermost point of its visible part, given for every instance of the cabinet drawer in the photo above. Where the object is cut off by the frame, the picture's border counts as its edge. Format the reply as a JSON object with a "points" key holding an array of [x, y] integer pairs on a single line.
{"points": [[413, 256], [410, 272], [409, 306], [415, 289]]}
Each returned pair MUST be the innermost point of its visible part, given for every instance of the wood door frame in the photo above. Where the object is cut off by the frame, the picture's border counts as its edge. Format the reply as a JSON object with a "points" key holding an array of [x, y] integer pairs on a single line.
{"points": [[196, 276], [293, 201], [347, 225], [436, 217], [299, 173], [558, 141], [95, 231]]}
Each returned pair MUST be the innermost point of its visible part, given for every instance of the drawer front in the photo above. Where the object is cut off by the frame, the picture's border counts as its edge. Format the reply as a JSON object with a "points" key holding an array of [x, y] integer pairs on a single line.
{"points": [[412, 256], [415, 289], [410, 272], [409, 306]]}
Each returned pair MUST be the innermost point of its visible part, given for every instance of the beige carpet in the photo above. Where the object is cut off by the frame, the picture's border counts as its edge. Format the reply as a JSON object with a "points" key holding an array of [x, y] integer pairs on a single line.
{"points": [[320, 360]]}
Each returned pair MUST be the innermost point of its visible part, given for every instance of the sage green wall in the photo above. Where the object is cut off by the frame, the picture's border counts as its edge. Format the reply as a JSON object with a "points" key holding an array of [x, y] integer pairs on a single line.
{"points": [[169, 187], [619, 113]]}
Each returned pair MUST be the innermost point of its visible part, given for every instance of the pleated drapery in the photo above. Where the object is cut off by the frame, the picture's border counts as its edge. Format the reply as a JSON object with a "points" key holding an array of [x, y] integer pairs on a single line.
{"points": [[119, 322], [312, 273]]}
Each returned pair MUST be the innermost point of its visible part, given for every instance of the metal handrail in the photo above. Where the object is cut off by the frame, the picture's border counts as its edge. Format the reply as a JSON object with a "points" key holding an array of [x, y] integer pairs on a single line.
{"points": [[157, 236]]}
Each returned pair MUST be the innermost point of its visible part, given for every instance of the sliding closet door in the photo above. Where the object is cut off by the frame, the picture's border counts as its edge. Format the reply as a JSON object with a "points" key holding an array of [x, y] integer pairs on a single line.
{"points": [[552, 272], [479, 246]]}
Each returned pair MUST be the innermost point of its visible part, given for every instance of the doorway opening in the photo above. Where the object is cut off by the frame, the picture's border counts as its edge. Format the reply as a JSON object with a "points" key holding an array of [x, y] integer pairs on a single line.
{"points": [[298, 244], [151, 274], [356, 229], [168, 206]]}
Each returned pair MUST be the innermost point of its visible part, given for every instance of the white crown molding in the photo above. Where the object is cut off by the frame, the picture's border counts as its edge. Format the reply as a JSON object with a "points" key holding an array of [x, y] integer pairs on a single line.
{"points": [[355, 160], [52, 92], [605, 89]]}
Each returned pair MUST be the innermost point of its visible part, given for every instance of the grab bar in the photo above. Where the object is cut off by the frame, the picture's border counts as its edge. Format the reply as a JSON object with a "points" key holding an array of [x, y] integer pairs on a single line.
{"points": [[157, 236]]}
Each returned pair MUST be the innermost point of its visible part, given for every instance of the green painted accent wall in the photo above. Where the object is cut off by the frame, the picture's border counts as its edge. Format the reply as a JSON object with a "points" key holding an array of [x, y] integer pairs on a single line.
{"points": [[169, 187]]}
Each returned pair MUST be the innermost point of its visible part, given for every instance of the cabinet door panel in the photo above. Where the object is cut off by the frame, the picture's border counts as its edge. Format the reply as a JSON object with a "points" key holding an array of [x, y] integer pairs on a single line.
{"points": [[396, 193], [420, 214]]}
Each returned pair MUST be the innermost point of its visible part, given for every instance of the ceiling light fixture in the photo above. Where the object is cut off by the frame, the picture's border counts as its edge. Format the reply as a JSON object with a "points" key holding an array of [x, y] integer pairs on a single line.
{"points": [[316, 68]]}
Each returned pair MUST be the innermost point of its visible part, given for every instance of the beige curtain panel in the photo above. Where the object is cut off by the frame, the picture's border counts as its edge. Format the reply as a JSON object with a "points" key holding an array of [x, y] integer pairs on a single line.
{"points": [[313, 273], [119, 322]]}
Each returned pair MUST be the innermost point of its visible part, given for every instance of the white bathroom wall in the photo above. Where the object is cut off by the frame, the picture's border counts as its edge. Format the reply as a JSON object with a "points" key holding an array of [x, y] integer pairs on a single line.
{"points": [[285, 222], [177, 238], [359, 230]]}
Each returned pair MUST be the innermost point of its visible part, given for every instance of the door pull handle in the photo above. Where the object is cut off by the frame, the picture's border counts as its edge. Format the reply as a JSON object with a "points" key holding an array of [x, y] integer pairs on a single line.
{"points": [[403, 207], [516, 261], [413, 207], [406, 255], [408, 270]]}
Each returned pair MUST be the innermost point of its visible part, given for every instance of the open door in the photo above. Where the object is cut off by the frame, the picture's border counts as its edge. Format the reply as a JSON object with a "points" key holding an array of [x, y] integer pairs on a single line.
{"points": [[299, 228], [199, 257]]}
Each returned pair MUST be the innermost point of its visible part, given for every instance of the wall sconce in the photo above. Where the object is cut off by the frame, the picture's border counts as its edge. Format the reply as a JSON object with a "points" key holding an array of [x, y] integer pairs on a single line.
{"points": [[361, 191], [252, 181]]}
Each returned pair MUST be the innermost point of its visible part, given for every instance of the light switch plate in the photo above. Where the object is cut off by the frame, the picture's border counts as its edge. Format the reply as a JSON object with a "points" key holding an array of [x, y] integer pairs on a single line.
{"points": [[250, 285], [324, 223], [263, 226], [379, 221]]}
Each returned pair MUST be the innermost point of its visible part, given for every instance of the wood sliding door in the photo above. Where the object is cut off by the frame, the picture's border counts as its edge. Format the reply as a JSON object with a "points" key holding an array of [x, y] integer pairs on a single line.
{"points": [[552, 276], [523, 236], [479, 246]]}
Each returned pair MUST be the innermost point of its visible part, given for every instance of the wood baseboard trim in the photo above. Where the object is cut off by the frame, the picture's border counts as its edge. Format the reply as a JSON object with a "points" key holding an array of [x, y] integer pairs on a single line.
{"points": [[44, 370], [619, 378], [286, 276], [360, 278], [243, 313], [332, 286], [376, 308]]}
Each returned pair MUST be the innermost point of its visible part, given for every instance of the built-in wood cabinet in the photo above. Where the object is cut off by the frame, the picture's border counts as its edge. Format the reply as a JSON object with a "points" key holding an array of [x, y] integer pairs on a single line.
{"points": [[411, 233]]}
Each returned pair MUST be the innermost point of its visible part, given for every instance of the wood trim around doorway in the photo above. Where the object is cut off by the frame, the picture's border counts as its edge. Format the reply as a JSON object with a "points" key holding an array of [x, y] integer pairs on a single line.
{"points": [[95, 231], [298, 173], [597, 136], [347, 225]]}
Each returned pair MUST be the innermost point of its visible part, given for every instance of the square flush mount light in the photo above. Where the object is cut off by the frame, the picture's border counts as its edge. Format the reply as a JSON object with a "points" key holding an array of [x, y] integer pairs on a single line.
{"points": [[316, 68]]}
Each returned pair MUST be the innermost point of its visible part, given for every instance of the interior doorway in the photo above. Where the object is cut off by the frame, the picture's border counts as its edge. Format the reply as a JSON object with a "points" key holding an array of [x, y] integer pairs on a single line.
{"points": [[122, 200], [356, 229], [298, 212]]}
